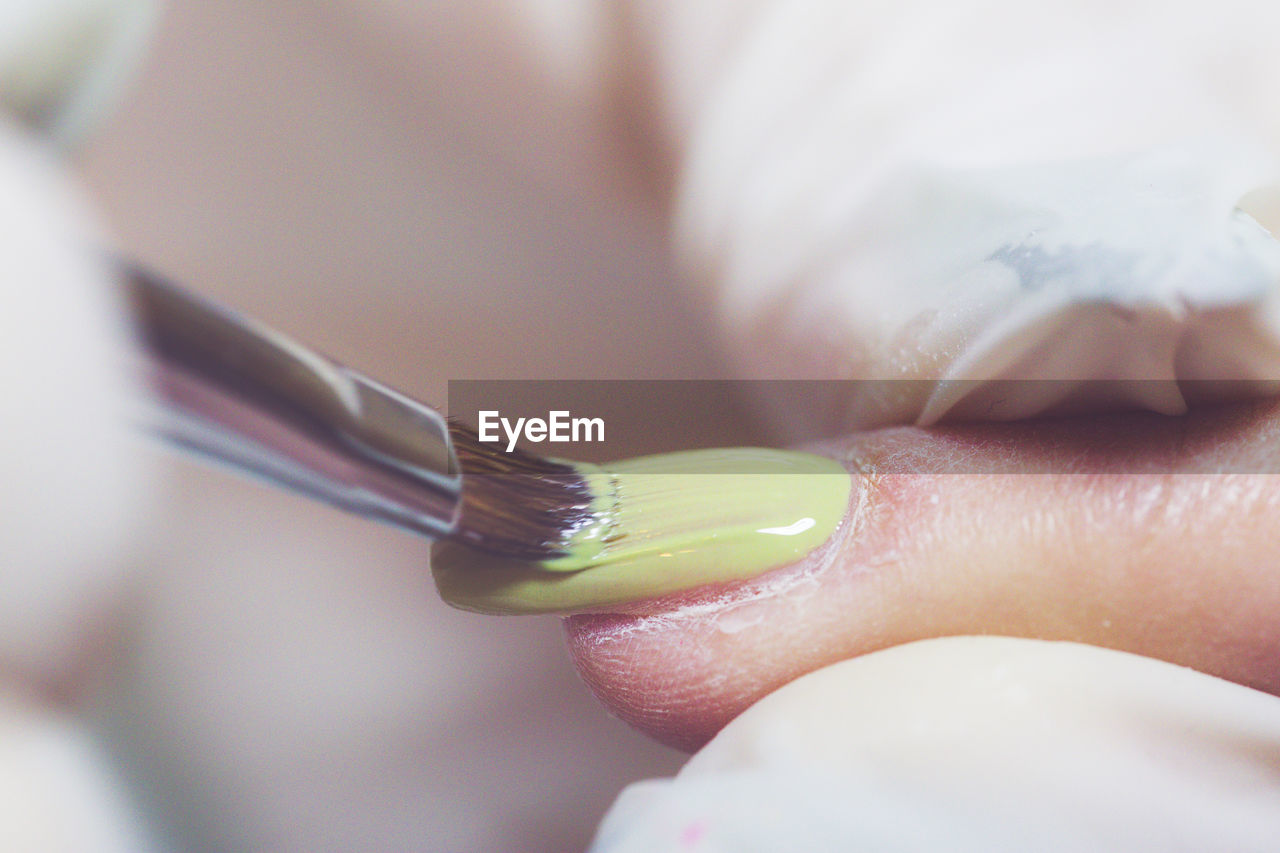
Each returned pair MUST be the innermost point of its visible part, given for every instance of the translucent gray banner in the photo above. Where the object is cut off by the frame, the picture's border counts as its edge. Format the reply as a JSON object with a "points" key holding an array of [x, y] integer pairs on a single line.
{"points": [[1080, 428]]}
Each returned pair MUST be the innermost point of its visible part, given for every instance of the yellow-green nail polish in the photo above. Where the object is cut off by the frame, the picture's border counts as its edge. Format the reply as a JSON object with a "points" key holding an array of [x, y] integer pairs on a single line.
{"points": [[665, 523]]}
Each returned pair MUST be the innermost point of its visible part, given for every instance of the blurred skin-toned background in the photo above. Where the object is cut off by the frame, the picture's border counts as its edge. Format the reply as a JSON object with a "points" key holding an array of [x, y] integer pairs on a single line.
{"points": [[422, 191]]}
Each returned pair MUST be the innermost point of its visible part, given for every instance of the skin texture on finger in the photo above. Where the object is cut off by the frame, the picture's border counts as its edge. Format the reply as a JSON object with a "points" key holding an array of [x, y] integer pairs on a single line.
{"points": [[1140, 533]]}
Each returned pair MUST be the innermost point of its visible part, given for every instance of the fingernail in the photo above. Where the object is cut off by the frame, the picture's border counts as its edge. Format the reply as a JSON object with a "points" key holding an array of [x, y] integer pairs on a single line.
{"points": [[667, 523]]}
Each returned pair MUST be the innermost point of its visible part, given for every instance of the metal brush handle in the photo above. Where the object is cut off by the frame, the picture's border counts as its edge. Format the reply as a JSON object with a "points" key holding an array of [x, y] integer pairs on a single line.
{"points": [[249, 397]]}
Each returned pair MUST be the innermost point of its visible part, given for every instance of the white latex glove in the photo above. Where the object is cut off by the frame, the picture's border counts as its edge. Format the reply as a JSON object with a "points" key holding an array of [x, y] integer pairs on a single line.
{"points": [[983, 191], [73, 483], [975, 744]]}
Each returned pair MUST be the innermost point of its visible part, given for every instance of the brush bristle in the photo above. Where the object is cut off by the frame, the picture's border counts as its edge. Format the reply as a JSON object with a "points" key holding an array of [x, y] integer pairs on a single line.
{"points": [[516, 504]]}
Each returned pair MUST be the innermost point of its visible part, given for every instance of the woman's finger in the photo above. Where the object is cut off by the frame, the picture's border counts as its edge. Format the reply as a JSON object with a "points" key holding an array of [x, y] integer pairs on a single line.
{"points": [[1136, 532]]}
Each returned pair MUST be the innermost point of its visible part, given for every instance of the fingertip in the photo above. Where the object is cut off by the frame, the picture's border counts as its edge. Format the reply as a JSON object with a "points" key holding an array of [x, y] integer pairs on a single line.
{"points": [[1115, 532]]}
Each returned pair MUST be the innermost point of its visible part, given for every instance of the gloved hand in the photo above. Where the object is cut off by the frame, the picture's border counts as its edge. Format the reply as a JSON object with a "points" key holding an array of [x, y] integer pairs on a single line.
{"points": [[975, 744], [985, 191], [73, 483]]}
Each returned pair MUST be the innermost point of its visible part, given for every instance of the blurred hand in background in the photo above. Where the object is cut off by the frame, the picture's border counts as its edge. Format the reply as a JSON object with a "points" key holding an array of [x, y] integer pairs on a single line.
{"points": [[74, 487]]}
